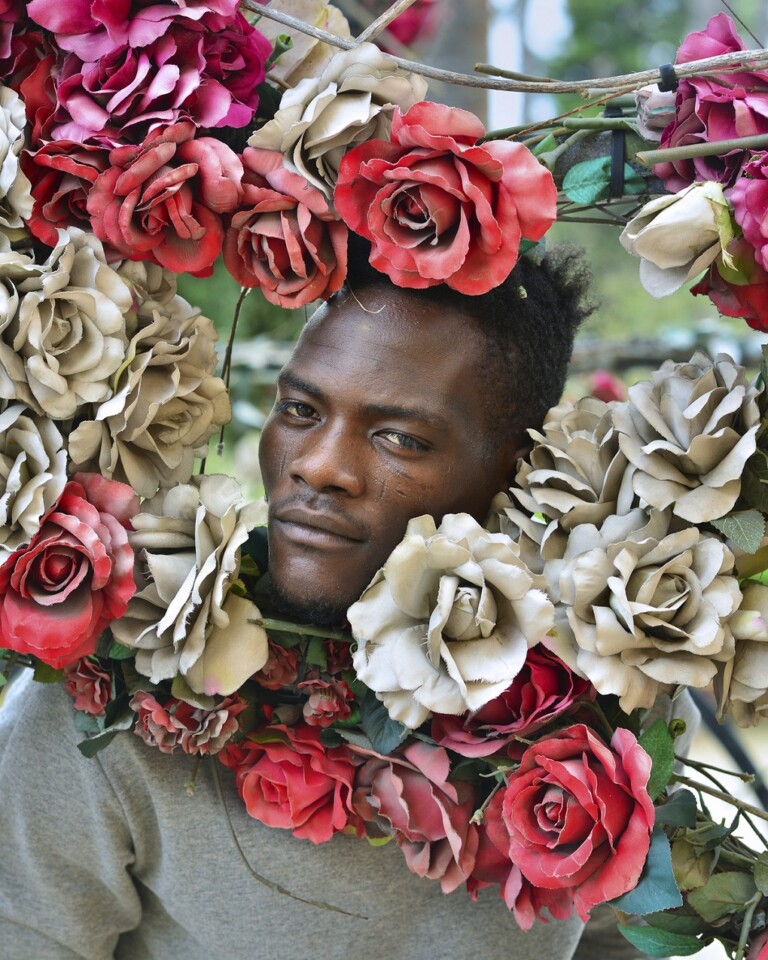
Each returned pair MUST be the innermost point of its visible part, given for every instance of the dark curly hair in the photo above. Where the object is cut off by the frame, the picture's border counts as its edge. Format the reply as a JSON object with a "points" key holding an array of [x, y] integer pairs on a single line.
{"points": [[529, 321]]}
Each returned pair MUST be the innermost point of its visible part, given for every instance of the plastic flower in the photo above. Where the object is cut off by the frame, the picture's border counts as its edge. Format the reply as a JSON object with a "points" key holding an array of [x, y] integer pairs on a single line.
{"points": [[350, 102], [742, 683], [15, 197], [437, 207], [185, 618], [169, 723], [740, 289], [678, 236], [688, 431], [446, 624]]}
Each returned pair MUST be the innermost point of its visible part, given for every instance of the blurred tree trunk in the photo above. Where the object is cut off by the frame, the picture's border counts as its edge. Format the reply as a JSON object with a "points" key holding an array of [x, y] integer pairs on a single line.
{"points": [[460, 43]]}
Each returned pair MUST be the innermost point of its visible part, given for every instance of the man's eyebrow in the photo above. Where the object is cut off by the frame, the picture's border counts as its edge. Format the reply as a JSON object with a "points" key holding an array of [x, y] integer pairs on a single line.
{"points": [[291, 380]]}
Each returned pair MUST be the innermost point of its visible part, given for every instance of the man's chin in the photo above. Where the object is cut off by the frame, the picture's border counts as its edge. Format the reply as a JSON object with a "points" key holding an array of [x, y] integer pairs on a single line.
{"points": [[304, 610]]}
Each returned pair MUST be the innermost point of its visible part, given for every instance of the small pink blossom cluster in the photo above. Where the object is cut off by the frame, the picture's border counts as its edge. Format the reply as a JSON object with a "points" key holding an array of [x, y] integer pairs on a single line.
{"points": [[116, 98], [719, 107]]}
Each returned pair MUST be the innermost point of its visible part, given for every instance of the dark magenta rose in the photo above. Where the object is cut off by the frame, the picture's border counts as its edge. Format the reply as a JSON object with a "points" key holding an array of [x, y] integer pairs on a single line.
{"points": [[11, 14], [437, 206], [168, 723], [747, 299], [715, 107], [579, 816], [163, 201], [89, 685], [409, 796], [749, 198], [59, 592], [93, 28], [189, 73], [61, 173], [494, 868], [287, 778], [544, 688], [285, 239]]}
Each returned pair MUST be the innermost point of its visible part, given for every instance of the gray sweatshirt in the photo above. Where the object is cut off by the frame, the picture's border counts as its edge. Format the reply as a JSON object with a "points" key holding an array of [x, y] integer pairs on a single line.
{"points": [[114, 857]]}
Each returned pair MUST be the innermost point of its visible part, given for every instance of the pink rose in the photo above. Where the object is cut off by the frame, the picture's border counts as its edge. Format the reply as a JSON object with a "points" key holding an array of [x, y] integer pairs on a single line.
{"points": [[418, 22], [89, 685], [285, 238], [437, 206], [281, 668], [579, 816], [287, 778], [61, 173], [716, 107], [409, 795], [544, 689], [170, 723], [60, 591], [11, 12], [749, 198], [163, 201], [758, 949], [93, 28], [748, 300], [328, 701], [191, 72], [493, 866]]}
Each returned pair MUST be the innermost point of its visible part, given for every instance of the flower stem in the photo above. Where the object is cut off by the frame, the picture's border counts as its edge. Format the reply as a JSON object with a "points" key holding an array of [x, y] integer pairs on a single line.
{"points": [[307, 630], [746, 923], [709, 148]]}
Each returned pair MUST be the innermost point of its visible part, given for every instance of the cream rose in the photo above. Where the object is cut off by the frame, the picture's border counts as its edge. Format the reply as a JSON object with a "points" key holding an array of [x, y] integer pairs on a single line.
{"points": [[184, 618], [323, 117], [742, 683], [33, 473], [446, 624], [15, 188]]}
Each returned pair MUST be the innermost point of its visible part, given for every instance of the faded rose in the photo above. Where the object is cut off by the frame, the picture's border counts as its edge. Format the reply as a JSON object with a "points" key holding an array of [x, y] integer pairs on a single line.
{"points": [[169, 723], [579, 816], [287, 778], [89, 685], [281, 668], [62, 173], [409, 795], [714, 107], [328, 701], [285, 238], [544, 689], [163, 201], [437, 206], [59, 592]]}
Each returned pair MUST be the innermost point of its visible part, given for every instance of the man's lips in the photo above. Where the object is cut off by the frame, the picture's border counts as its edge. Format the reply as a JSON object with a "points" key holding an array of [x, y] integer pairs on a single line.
{"points": [[309, 528]]}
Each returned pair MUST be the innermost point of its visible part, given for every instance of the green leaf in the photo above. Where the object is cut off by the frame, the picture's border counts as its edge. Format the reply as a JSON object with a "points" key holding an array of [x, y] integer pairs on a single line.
{"points": [[45, 674], [660, 747], [754, 481], [315, 655], [590, 181], [86, 723], [722, 894], [544, 146], [657, 889], [89, 748], [761, 877], [384, 733], [676, 922], [679, 810], [745, 527], [661, 943], [117, 651]]}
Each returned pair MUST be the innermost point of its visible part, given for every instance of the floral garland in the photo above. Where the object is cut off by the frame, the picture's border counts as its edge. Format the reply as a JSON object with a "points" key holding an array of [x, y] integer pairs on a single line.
{"points": [[626, 561]]}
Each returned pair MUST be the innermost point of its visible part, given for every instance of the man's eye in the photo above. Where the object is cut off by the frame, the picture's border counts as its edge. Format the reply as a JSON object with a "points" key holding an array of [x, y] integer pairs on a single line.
{"points": [[296, 409], [404, 440]]}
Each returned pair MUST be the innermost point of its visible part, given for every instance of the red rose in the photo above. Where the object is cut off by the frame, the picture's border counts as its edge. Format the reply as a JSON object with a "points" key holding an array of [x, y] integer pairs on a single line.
{"points": [[716, 107], [281, 668], [285, 239], [748, 300], [493, 866], [162, 201], [287, 778], [411, 797], [32, 72], [60, 591], [328, 701], [89, 686], [758, 949], [61, 173], [578, 815], [174, 723], [544, 689], [437, 206]]}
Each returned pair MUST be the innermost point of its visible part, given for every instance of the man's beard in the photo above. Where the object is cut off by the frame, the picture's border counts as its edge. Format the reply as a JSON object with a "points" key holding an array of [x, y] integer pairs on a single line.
{"points": [[319, 613]]}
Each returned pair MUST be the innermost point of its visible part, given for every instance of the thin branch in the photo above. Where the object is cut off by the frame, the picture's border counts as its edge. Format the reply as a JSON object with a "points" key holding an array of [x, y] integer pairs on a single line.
{"points": [[740, 60], [381, 23], [721, 795], [354, 8], [709, 148]]}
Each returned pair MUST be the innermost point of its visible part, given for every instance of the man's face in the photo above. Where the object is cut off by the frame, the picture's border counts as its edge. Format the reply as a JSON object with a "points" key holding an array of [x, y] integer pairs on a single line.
{"points": [[381, 415]]}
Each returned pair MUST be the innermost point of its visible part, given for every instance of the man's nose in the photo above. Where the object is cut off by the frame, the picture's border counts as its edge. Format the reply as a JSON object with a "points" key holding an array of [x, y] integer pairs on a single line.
{"points": [[330, 460]]}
